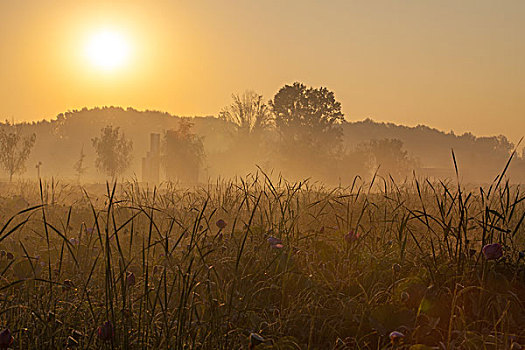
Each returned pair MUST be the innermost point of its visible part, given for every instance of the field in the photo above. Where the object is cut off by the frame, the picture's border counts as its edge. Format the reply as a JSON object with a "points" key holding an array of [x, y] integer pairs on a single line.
{"points": [[259, 262]]}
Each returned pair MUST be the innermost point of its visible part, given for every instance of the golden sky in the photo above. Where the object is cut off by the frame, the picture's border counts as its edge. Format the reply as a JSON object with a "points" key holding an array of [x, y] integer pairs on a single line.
{"points": [[453, 65]]}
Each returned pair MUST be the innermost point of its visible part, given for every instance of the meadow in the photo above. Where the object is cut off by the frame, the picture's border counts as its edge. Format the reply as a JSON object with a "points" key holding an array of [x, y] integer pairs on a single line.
{"points": [[262, 263]]}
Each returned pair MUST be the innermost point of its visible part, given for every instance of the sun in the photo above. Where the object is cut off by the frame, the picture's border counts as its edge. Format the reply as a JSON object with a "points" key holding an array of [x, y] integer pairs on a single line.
{"points": [[107, 50]]}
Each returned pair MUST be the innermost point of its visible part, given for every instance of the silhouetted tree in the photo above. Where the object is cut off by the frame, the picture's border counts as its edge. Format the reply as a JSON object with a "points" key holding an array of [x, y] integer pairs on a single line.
{"points": [[309, 124], [113, 151], [308, 115], [14, 150], [248, 113], [183, 153]]}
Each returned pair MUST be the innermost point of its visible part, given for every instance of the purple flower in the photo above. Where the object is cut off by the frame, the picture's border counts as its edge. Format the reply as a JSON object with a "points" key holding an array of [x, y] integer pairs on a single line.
{"points": [[89, 230], [275, 242], [492, 251], [396, 337], [221, 224], [105, 332], [6, 339], [74, 241], [351, 237]]}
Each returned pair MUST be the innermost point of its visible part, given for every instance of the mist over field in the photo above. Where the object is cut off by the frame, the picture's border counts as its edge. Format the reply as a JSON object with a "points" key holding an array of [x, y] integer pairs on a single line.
{"points": [[262, 175], [360, 148]]}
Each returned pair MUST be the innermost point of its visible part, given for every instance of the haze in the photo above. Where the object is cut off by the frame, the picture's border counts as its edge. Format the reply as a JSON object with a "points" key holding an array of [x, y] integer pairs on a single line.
{"points": [[447, 64]]}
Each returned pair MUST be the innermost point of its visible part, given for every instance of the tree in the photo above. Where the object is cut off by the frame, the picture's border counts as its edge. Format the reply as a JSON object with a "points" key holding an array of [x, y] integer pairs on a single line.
{"points": [[79, 165], [308, 116], [183, 153], [248, 113], [389, 155], [113, 151], [14, 150], [308, 121]]}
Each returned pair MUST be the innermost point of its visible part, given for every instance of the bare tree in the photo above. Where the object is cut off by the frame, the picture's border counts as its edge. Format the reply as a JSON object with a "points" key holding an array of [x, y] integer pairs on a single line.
{"points": [[14, 150], [248, 113], [79, 165]]}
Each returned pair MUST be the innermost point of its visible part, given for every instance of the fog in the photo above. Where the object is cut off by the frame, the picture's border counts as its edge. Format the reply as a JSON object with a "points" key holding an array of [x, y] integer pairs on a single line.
{"points": [[308, 140]]}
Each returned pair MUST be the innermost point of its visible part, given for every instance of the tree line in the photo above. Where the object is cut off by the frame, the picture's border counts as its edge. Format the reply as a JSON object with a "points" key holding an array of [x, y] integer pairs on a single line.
{"points": [[301, 131]]}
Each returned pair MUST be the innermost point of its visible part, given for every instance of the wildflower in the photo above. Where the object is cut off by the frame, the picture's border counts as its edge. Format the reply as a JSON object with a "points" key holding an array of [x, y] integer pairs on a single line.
{"points": [[396, 337], [130, 279], [221, 224], [89, 230], [3, 253], [6, 339], [255, 339], [105, 332], [493, 251], [275, 242], [351, 237], [74, 241], [10, 256]]}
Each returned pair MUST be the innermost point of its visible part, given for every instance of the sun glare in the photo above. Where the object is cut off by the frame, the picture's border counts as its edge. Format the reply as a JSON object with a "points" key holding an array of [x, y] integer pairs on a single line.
{"points": [[107, 50]]}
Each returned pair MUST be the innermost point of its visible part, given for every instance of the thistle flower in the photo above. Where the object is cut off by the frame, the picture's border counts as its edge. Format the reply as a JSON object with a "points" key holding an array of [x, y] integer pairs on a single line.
{"points": [[6, 339], [105, 332], [493, 251], [275, 242], [352, 236], [396, 337], [221, 224], [255, 339], [74, 241], [10, 256], [89, 230]]}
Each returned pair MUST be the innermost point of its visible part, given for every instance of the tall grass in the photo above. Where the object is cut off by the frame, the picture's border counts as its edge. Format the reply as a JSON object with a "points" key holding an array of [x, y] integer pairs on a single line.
{"points": [[134, 267]]}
